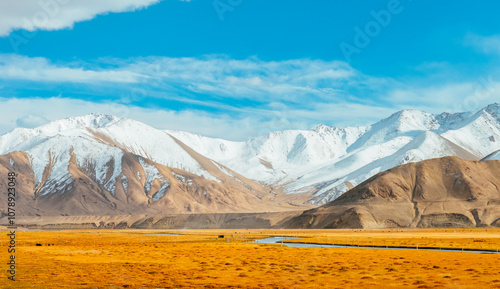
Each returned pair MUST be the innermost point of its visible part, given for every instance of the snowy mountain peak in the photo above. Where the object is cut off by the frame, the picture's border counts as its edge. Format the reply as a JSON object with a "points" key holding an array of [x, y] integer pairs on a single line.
{"points": [[325, 129], [321, 127], [411, 119], [493, 107], [92, 121], [493, 110]]}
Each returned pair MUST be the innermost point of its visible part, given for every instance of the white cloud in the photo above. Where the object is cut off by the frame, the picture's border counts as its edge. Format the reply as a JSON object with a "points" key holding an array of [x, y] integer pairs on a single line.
{"points": [[214, 75], [32, 112], [19, 112], [39, 69], [212, 95], [31, 121], [304, 88], [59, 14], [486, 44], [450, 97]]}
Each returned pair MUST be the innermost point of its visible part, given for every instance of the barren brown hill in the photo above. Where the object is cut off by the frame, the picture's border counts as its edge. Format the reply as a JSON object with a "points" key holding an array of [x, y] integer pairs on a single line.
{"points": [[444, 192]]}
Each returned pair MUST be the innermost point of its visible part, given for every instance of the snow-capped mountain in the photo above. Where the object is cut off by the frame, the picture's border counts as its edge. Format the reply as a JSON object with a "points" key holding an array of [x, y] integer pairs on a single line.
{"points": [[103, 163], [327, 161], [129, 163], [274, 157]]}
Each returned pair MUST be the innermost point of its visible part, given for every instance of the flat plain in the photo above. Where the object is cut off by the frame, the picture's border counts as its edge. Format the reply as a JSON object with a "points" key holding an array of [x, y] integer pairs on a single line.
{"points": [[204, 259]]}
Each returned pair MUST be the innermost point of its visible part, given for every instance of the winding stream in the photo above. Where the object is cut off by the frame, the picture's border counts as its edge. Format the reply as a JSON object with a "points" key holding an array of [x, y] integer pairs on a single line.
{"points": [[281, 241]]}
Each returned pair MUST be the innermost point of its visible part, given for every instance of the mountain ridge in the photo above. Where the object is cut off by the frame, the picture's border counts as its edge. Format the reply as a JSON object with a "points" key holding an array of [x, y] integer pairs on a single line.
{"points": [[299, 167]]}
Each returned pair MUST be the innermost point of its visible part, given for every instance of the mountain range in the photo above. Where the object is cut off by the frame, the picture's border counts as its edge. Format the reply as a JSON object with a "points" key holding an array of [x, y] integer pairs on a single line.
{"points": [[100, 164]]}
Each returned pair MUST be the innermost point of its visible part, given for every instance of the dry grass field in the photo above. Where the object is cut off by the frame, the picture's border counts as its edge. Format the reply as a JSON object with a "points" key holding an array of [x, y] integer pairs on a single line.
{"points": [[199, 259], [466, 239]]}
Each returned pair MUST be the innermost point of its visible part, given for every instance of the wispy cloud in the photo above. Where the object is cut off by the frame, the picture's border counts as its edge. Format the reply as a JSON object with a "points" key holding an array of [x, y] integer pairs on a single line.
{"points": [[32, 112], [486, 44], [248, 78], [450, 97], [216, 76], [59, 14], [41, 70], [215, 94]]}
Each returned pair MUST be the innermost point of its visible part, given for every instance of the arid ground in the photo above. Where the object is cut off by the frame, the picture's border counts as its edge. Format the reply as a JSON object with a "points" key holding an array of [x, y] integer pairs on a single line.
{"points": [[200, 259]]}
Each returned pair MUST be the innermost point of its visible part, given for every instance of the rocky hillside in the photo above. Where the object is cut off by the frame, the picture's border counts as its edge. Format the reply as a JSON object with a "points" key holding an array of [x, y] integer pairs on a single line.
{"points": [[443, 192]]}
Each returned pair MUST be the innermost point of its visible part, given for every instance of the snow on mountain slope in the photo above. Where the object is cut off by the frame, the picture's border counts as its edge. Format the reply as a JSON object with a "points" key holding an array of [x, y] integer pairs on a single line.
{"points": [[425, 146], [329, 160], [19, 135], [480, 134], [495, 156], [96, 143], [54, 156], [324, 160], [407, 136], [86, 166], [217, 149], [407, 123], [101, 135], [273, 157], [52, 146], [150, 143]]}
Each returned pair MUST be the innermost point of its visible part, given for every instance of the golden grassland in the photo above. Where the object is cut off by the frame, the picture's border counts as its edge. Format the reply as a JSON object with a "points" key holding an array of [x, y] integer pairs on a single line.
{"points": [[199, 259], [466, 239]]}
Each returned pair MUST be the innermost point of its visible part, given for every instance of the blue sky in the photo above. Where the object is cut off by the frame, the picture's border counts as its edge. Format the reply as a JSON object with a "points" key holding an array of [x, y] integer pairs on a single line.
{"points": [[244, 67]]}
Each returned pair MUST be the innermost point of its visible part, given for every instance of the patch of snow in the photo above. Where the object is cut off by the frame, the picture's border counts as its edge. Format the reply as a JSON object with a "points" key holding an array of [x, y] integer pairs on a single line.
{"points": [[125, 183], [151, 173], [229, 173], [161, 192], [152, 144], [181, 178]]}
